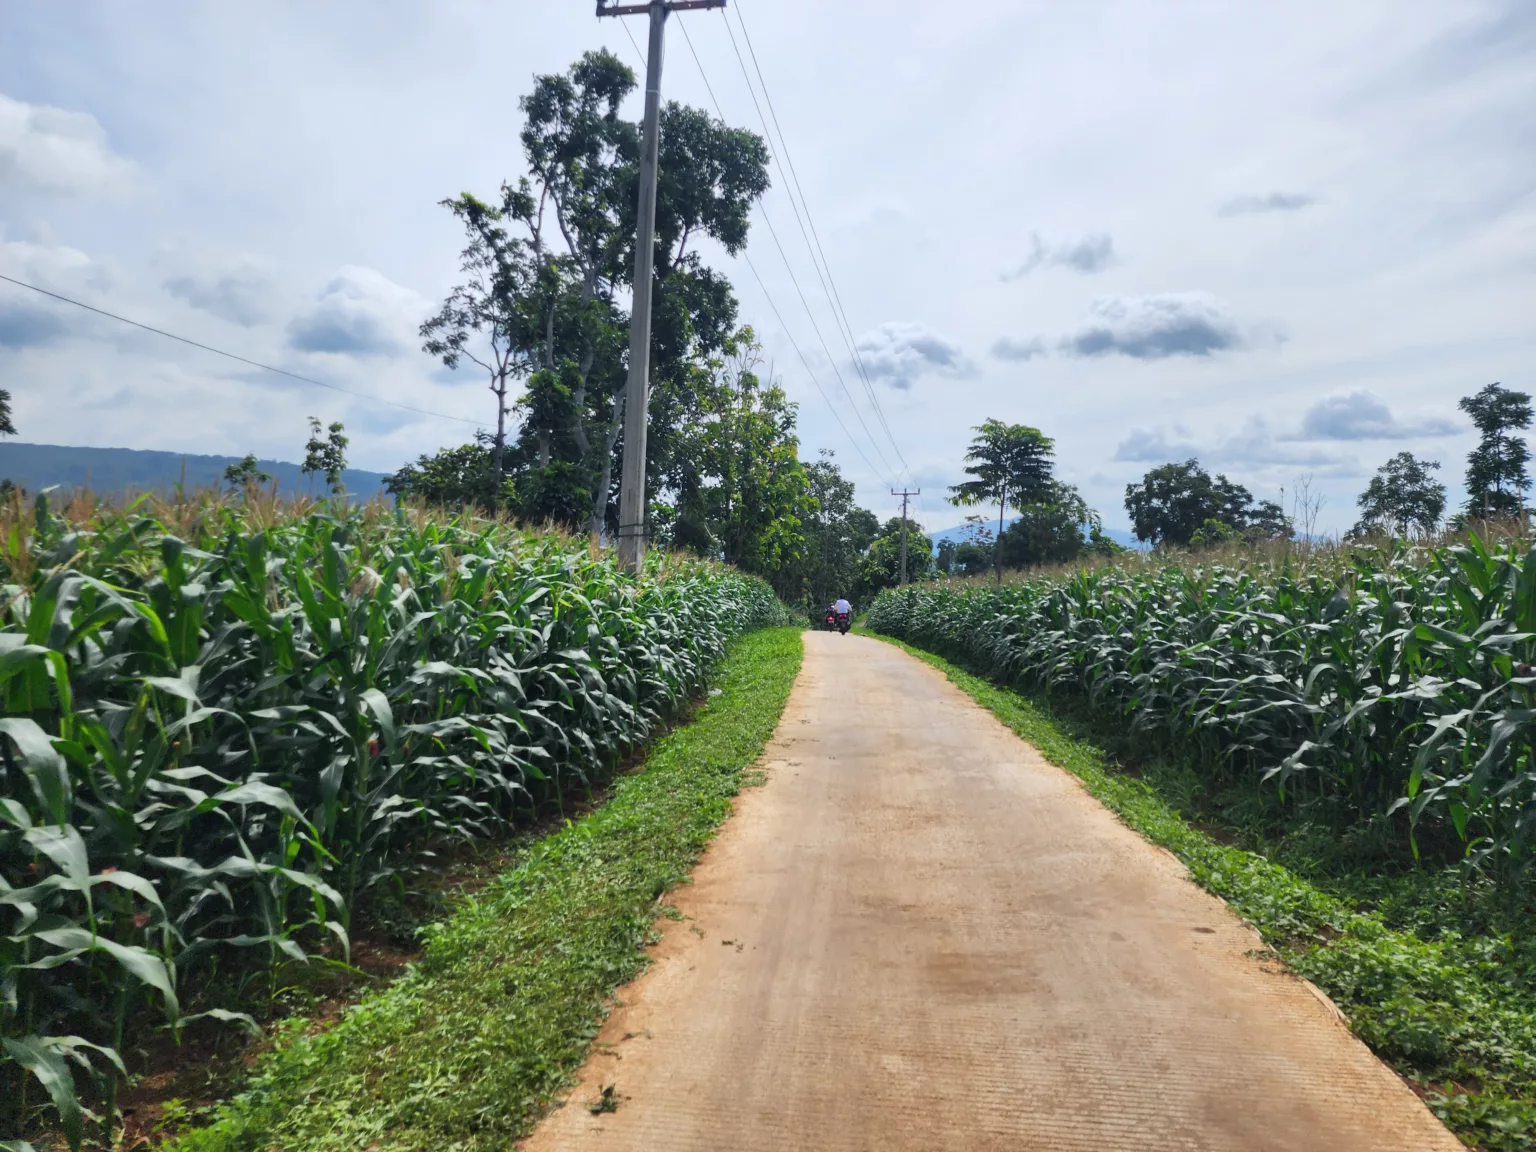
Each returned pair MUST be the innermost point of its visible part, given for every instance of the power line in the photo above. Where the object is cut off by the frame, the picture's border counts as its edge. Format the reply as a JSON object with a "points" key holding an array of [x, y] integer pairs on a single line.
{"points": [[767, 295], [828, 282], [773, 232], [232, 356]]}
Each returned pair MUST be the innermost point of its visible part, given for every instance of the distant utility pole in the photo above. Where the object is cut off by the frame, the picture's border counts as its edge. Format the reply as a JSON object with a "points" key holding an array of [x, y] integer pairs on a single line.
{"points": [[637, 390], [904, 494]]}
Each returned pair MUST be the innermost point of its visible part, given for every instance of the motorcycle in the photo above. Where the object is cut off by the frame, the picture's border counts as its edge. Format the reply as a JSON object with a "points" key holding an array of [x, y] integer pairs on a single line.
{"points": [[831, 620], [842, 623]]}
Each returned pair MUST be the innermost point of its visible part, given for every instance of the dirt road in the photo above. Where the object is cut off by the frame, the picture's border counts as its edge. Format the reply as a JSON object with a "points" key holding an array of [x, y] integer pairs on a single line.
{"points": [[918, 935]]}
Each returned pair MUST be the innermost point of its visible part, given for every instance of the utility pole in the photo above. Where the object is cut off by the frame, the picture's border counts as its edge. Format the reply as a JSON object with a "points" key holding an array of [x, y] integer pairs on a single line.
{"points": [[637, 389], [904, 494]]}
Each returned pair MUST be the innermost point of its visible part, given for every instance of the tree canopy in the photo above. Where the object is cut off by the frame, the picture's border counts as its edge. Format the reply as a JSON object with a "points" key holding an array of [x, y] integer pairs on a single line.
{"points": [[1496, 476], [1175, 502], [1402, 498]]}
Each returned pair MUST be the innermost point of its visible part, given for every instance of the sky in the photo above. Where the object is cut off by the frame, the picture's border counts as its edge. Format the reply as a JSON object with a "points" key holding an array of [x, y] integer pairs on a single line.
{"points": [[1282, 236]]}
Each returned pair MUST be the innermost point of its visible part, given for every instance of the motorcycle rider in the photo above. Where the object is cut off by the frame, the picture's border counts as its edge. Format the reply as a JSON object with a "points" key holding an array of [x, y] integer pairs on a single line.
{"points": [[844, 612]]}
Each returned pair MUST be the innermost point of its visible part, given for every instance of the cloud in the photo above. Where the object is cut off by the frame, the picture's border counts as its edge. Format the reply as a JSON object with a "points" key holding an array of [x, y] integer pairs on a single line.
{"points": [[28, 320], [1273, 202], [1093, 253], [900, 352], [50, 150], [242, 295], [1155, 327], [360, 312], [1362, 415], [1253, 448], [1006, 349]]}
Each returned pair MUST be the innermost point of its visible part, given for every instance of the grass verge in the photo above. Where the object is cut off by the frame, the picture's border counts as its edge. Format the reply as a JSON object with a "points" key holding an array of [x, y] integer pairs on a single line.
{"points": [[1449, 1013], [471, 1046]]}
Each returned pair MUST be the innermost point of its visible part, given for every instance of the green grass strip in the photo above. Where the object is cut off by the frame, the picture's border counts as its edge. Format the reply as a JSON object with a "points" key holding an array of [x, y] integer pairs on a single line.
{"points": [[471, 1046], [1439, 1011]]}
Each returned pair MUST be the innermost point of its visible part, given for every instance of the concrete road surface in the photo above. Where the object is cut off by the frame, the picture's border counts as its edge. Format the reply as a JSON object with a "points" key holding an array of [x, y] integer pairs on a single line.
{"points": [[918, 935]]}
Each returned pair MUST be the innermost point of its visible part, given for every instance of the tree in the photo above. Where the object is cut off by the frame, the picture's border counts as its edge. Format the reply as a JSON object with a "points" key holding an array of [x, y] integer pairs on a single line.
{"points": [[550, 264], [452, 477], [328, 456], [1053, 530], [881, 564], [1010, 466], [242, 475], [1496, 477], [837, 533], [7, 426], [1173, 502], [1402, 498]]}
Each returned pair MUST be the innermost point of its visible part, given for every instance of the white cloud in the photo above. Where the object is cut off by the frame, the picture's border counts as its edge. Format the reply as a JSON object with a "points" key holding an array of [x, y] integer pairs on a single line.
{"points": [[360, 312], [1363, 415], [1253, 447], [29, 319], [50, 150], [899, 353], [1156, 327]]}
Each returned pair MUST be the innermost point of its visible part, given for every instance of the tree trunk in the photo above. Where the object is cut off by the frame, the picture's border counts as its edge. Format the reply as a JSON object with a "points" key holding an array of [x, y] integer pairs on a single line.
{"points": [[498, 449], [997, 545], [600, 497]]}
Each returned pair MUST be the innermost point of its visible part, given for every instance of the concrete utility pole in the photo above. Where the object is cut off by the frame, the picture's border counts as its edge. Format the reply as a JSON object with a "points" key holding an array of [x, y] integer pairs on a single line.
{"points": [[637, 389], [904, 494]]}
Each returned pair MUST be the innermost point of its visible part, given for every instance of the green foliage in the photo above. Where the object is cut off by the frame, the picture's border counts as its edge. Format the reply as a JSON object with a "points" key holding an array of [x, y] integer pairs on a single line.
{"points": [[1212, 533], [1053, 529], [475, 1043], [7, 424], [1401, 687], [837, 534], [881, 565], [1402, 498], [1453, 1012], [327, 457], [547, 268], [1174, 502], [458, 478], [245, 473], [1496, 476], [217, 739]]}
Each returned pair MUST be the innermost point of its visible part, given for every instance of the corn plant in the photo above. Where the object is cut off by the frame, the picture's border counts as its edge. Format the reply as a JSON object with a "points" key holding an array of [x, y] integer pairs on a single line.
{"points": [[1400, 681], [216, 740]]}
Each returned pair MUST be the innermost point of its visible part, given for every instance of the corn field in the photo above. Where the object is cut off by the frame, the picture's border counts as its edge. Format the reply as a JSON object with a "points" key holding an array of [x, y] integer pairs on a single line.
{"points": [[1397, 682], [225, 725]]}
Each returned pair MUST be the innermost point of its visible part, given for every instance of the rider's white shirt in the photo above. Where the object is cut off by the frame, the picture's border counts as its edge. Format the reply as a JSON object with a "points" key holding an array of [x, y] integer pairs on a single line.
{"points": [[844, 606]]}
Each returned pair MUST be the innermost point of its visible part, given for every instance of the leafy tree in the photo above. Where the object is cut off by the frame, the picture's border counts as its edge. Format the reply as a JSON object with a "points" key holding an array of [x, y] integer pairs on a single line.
{"points": [[881, 565], [550, 266], [242, 475], [752, 494], [837, 533], [1053, 530], [459, 477], [1402, 497], [7, 425], [328, 456], [1173, 502], [1496, 476], [1010, 466]]}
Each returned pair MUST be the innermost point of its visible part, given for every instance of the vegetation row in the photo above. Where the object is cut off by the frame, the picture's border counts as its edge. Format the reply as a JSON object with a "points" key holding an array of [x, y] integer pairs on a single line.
{"points": [[225, 726]]}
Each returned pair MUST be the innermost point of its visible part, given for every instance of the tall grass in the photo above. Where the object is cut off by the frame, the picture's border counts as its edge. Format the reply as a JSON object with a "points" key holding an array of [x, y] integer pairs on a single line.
{"points": [[225, 723], [1379, 681]]}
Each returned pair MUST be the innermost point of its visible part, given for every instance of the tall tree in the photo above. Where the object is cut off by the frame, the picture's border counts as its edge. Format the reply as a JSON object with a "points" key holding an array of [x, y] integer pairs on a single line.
{"points": [[1055, 529], [328, 457], [486, 320], [1496, 477], [7, 426], [837, 533], [881, 564], [1010, 466], [1402, 497], [1173, 503], [552, 263]]}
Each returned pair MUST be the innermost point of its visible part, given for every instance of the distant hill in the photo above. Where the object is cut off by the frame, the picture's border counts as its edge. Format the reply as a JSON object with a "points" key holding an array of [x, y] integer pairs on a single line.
{"points": [[961, 531], [117, 471]]}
